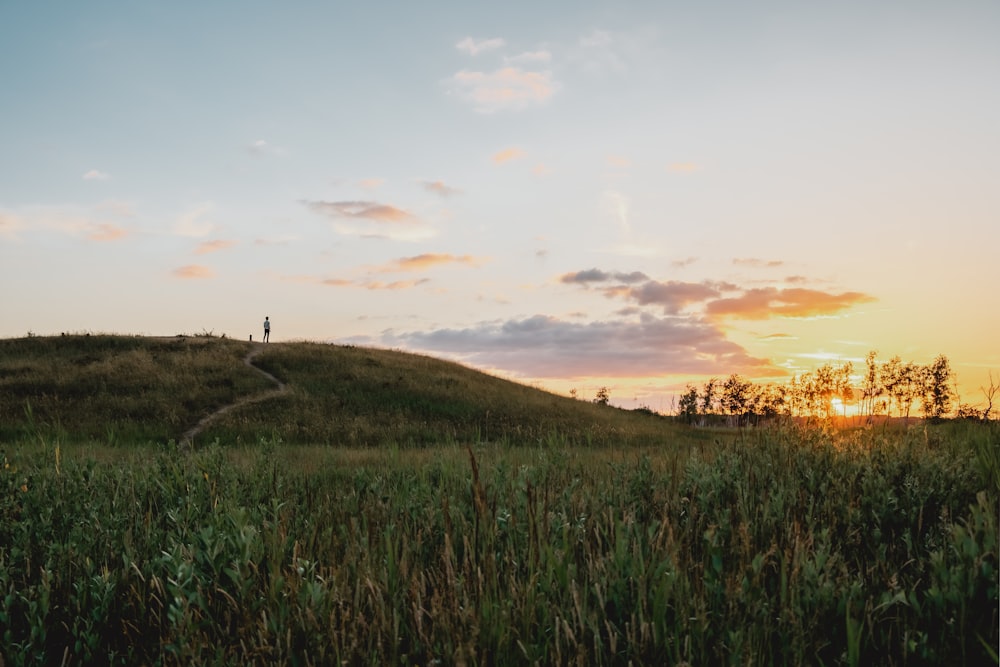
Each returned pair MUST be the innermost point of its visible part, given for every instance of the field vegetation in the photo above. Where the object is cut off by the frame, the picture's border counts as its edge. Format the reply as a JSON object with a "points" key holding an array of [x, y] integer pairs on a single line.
{"points": [[332, 527]]}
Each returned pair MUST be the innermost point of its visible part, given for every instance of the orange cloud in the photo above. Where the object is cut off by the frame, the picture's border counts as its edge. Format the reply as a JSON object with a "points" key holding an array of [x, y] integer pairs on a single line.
{"points": [[427, 260], [371, 183], [758, 263], [195, 271], [765, 302], [213, 246], [438, 187], [507, 154], [106, 232], [506, 89], [395, 285], [619, 162]]}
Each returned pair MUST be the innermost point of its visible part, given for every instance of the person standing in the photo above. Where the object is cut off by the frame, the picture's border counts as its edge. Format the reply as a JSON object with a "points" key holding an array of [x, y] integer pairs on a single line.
{"points": [[267, 329]]}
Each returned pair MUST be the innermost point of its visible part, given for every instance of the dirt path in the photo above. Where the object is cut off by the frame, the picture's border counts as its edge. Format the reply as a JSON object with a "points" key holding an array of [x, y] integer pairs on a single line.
{"points": [[187, 440]]}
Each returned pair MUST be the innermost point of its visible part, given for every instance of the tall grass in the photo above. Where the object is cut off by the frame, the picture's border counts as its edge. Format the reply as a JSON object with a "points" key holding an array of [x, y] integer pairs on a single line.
{"points": [[787, 547]]}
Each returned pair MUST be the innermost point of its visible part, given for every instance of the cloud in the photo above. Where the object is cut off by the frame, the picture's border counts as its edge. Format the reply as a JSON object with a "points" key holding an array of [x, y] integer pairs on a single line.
{"points": [[547, 347], [758, 263], [474, 48], [10, 225], [371, 183], [361, 210], [777, 337], [395, 285], [683, 263], [439, 188], [103, 231], [672, 295], [261, 148], [194, 223], [505, 89], [541, 56], [213, 246], [427, 260], [193, 271], [766, 302], [683, 166], [507, 154], [62, 220], [598, 276], [95, 175], [752, 304], [619, 162]]}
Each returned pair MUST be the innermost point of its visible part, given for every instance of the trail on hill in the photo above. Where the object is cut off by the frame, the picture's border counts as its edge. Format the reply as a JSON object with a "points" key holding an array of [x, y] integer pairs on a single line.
{"points": [[187, 440]]}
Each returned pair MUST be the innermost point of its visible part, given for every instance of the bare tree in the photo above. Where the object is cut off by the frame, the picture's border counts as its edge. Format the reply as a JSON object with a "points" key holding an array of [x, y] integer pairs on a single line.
{"points": [[990, 393]]}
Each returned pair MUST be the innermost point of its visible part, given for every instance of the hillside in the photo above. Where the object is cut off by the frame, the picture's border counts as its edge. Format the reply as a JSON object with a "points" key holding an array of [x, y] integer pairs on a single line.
{"points": [[124, 389]]}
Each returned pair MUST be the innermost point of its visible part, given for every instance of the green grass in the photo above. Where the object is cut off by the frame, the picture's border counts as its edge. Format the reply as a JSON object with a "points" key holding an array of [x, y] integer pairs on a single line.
{"points": [[151, 390], [396, 509], [782, 548]]}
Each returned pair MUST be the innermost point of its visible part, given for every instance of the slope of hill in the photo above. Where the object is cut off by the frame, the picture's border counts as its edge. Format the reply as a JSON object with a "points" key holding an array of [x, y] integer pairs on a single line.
{"points": [[140, 389]]}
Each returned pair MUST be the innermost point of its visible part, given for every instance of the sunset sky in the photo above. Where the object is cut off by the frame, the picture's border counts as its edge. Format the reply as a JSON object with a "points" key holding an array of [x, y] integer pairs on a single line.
{"points": [[570, 194]]}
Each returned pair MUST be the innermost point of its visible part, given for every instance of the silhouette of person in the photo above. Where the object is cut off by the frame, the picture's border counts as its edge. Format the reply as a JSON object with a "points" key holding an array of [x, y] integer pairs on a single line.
{"points": [[267, 329]]}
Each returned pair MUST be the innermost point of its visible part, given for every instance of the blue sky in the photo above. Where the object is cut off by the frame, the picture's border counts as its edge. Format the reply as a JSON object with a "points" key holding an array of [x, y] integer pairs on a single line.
{"points": [[577, 194]]}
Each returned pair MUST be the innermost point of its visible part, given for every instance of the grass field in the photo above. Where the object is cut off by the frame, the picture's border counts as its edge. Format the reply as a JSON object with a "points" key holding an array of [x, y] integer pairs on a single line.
{"points": [[580, 535]]}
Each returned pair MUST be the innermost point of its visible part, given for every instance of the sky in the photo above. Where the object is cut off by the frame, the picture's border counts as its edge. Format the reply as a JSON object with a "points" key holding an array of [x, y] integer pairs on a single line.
{"points": [[574, 195]]}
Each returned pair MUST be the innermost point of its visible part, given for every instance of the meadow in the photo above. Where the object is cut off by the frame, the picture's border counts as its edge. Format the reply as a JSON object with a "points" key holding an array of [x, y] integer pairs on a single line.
{"points": [[577, 534]]}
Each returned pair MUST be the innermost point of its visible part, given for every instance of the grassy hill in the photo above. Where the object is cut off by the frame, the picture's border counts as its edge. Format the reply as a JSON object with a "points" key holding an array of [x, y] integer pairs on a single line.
{"points": [[141, 389]]}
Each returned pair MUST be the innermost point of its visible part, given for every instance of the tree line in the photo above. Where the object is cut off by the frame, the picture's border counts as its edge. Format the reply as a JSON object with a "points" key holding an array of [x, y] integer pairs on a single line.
{"points": [[885, 389]]}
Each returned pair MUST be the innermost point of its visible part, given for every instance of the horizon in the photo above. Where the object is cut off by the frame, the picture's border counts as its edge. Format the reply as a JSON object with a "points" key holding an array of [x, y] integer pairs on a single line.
{"points": [[571, 196]]}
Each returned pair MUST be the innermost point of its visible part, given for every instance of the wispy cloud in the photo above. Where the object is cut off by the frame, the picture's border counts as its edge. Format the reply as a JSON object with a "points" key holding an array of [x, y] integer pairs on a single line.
{"points": [[426, 261], [683, 263], [597, 276], [766, 302], [69, 221], [507, 154], [213, 246], [541, 56], [506, 89], [195, 222], [371, 183], [367, 284], [619, 162], [10, 225], [262, 148], [474, 47], [758, 263], [361, 210], [193, 272], [104, 231], [96, 175], [439, 188]]}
